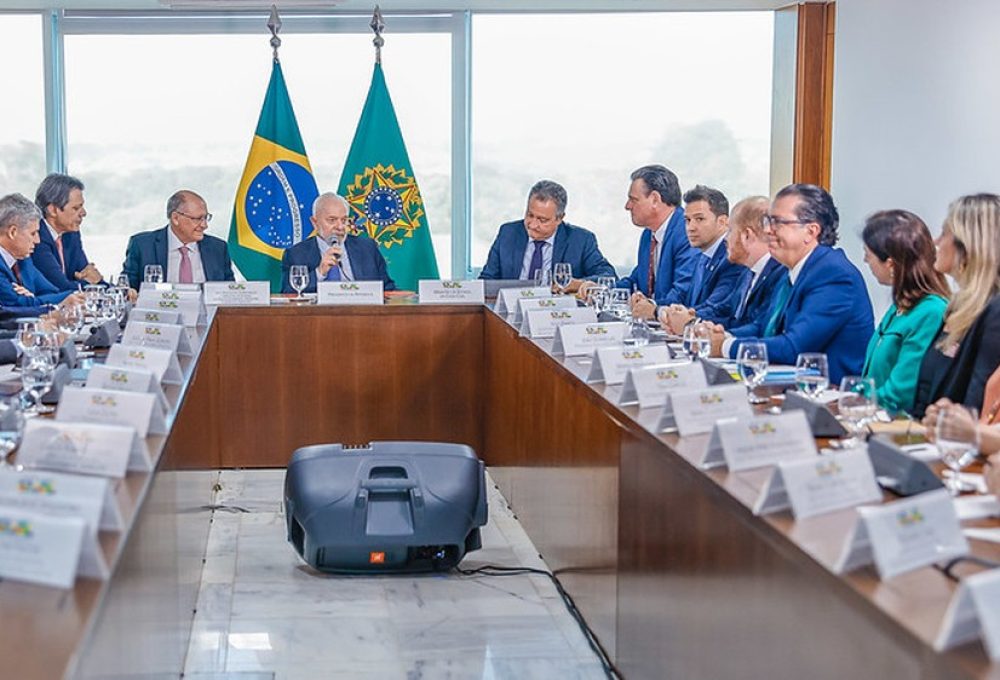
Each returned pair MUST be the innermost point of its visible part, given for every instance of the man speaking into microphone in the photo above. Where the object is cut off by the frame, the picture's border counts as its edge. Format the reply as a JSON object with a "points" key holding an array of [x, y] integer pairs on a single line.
{"points": [[333, 254]]}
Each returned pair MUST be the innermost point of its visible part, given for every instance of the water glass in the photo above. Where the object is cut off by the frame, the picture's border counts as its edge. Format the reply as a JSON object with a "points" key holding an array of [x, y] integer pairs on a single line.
{"points": [[153, 273], [607, 281], [11, 428], [751, 360], [618, 303], [636, 333], [856, 405], [562, 276], [543, 278], [601, 296], [37, 376], [69, 319], [298, 278], [957, 438], [697, 341], [812, 373], [121, 281]]}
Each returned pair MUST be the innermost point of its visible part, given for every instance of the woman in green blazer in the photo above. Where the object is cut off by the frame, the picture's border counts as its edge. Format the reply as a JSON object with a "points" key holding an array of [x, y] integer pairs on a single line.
{"points": [[900, 252]]}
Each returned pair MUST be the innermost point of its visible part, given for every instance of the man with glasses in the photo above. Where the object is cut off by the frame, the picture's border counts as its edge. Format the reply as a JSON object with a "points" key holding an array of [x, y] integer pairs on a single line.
{"points": [[59, 254], [182, 248], [332, 253], [543, 239], [823, 306]]}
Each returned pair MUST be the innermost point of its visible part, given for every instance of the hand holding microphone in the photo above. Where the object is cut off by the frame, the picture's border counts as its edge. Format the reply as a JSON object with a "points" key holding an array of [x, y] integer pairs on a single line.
{"points": [[332, 256]]}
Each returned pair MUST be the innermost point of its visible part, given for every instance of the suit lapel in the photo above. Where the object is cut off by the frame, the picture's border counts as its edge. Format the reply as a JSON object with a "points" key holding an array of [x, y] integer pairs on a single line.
{"points": [[160, 249], [515, 256], [353, 249], [559, 245]]}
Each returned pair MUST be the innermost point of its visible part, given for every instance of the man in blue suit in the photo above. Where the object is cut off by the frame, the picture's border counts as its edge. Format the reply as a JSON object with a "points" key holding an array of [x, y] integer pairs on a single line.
{"points": [[543, 239], [824, 305], [332, 254], [748, 246], [59, 254], [182, 248], [706, 218]]}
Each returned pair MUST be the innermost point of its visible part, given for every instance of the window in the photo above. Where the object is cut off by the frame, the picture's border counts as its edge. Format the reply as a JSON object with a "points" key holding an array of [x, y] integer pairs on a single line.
{"points": [[22, 135]]}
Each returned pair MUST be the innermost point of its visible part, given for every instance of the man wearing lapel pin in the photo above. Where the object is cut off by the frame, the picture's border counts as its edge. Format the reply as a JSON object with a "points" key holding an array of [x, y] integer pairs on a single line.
{"points": [[542, 239], [333, 254]]}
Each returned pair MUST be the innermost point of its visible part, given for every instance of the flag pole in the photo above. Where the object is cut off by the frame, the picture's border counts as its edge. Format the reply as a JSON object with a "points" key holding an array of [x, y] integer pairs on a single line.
{"points": [[377, 26], [274, 23]]}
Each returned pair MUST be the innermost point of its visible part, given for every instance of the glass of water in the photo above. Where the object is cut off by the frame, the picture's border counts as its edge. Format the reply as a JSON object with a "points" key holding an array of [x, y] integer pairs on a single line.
{"points": [[618, 303], [697, 341], [153, 273], [957, 438], [562, 276], [812, 373], [37, 376], [751, 360], [856, 405], [298, 278], [543, 278]]}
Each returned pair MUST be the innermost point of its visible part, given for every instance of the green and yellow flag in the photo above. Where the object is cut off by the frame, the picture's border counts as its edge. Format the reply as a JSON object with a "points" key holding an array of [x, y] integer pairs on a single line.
{"points": [[275, 196], [385, 201]]}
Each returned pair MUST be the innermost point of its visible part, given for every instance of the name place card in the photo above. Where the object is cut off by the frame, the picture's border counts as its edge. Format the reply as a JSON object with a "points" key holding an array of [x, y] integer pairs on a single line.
{"points": [[87, 448], [160, 335], [525, 305], [583, 338], [188, 304], [612, 364], [39, 549], [648, 386], [816, 486], [160, 362], [238, 293], [695, 411], [507, 297], [542, 323], [451, 292], [166, 287], [349, 293], [102, 376], [758, 441], [60, 495], [112, 407], [154, 316], [904, 535], [972, 613]]}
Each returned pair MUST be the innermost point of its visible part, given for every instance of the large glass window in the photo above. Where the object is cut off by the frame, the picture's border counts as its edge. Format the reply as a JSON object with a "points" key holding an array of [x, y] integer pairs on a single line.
{"points": [[150, 114], [22, 134], [584, 99]]}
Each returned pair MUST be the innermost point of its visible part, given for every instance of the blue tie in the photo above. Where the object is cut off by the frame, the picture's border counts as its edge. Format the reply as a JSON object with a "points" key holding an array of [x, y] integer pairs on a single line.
{"points": [[744, 289], [698, 279], [779, 307], [333, 274], [537, 260]]}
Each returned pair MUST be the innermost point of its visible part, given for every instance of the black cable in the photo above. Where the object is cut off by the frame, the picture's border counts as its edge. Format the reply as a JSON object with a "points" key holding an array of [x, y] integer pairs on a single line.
{"points": [[951, 564], [610, 670]]}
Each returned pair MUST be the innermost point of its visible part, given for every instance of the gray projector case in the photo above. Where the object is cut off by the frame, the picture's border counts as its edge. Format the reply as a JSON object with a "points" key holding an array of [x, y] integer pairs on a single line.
{"points": [[387, 507]]}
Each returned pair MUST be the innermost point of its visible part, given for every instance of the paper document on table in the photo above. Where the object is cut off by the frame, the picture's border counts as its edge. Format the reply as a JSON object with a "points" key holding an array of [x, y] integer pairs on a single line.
{"points": [[977, 507]]}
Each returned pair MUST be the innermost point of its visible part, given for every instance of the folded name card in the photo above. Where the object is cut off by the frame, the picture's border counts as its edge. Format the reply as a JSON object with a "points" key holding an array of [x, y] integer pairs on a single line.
{"points": [[758, 441], [349, 293], [542, 323], [815, 486], [583, 338], [160, 335], [166, 287], [904, 535], [973, 613], [112, 407], [611, 364], [87, 448], [695, 411], [106, 377], [238, 293], [648, 386], [39, 549], [161, 362], [55, 494], [154, 316], [188, 304], [507, 297], [451, 292], [525, 305]]}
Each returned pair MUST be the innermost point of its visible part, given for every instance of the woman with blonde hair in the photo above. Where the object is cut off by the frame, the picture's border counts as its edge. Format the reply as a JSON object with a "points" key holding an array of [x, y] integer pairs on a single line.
{"points": [[967, 348]]}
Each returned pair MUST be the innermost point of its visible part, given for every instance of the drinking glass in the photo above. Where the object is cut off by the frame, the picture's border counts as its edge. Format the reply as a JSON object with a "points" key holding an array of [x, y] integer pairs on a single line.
{"points": [[122, 281], [601, 295], [298, 278], [697, 341], [92, 300], [957, 438], [69, 318], [543, 278], [11, 428], [856, 405], [562, 275], [636, 333], [153, 273], [751, 359], [618, 303], [36, 376], [812, 374], [607, 281]]}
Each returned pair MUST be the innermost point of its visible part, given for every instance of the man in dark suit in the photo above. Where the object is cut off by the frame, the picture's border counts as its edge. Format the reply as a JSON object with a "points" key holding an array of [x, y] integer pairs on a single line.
{"points": [[824, 305], [332, 254], [542, 239], [182, 248], [747, 243], [706, 218], [59, 254]]}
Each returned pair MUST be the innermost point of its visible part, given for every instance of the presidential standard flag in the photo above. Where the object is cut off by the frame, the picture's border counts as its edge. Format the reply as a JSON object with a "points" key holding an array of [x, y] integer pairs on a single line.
{"points": [[378, 183], [275, 196]]}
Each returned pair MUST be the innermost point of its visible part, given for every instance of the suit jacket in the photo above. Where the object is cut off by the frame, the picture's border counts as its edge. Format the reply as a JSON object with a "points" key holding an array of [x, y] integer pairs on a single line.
{"points": [[673, 273], [828, 311], [367, 263], [759, 303], [46, 258], [572, 244], [713, 301], [150, 247], [44, 292]]}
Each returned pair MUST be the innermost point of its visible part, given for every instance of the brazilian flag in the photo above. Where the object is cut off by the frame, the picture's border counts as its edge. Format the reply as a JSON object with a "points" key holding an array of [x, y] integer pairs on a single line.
{"points": [[385, 201], [275, 196]]}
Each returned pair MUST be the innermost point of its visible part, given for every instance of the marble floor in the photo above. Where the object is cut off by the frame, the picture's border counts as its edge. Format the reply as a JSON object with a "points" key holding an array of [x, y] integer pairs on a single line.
{"points": [[263, 613]]}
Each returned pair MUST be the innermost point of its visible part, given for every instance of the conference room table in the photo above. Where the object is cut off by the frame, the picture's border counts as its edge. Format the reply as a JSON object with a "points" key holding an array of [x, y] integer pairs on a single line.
{"points": [[668, 563]]}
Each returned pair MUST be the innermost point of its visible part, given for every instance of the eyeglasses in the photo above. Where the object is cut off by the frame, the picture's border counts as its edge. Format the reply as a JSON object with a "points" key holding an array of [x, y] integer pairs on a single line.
{"points": [[772, 222], [206, 218]]}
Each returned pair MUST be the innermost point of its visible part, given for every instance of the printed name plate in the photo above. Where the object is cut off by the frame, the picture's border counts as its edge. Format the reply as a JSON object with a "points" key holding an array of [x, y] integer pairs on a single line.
{"points": [[542, 323], [507, 298], [815, 486], [550, 303], [349, 293], [972, 613], [451, 292], [165, 286], [187, 303], [154, 316], [61, 495], [238, 293], [112, 407], [695, 411], [583, 338], [161, 362], [88, 448], [648, 386], [757, 441], [107, 377], [904, 535], [160, 335], [39, 549], [612, 364]]}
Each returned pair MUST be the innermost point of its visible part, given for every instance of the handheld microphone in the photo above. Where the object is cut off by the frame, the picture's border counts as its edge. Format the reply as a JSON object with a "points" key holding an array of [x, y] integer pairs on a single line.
{"points": [[334, 240]]}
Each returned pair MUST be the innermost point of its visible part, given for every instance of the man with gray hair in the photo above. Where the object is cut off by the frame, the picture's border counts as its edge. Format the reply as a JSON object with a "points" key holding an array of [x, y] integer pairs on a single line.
{"points": [[334, 253], [551, 241], [59, 255]]}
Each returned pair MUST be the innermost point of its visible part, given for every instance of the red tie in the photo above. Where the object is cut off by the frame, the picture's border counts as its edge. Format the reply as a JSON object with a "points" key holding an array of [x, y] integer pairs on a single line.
{"points": [[16, 268], [59, 247], [651, 279]]}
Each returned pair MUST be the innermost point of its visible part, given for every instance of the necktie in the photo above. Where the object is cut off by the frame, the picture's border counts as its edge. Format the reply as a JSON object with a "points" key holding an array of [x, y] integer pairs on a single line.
{"points": [[59, 248], [185, 274], [651, 276], [779, 308], [744, 289], [698, 279], [16, 268], [333, 274], [537, 259]]}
